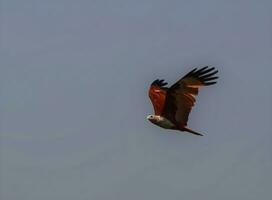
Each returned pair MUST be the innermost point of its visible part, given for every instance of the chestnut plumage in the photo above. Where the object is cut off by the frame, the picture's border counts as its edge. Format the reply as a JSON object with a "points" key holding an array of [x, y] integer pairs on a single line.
{"points": [[173, 105]]}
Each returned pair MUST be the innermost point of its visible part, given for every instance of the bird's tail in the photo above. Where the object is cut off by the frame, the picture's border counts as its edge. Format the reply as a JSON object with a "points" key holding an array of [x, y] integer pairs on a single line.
{"points": [[191, 131]]}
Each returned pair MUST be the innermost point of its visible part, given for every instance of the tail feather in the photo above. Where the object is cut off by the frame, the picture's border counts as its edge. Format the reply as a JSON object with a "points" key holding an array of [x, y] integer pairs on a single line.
{"points": [[191, 131]]}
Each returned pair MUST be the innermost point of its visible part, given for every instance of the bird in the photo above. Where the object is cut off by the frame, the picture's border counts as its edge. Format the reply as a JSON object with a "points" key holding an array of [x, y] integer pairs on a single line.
{"points": [[172, 105]]}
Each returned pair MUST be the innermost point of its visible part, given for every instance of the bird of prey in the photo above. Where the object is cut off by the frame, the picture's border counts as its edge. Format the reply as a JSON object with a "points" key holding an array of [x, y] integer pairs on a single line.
{"points": [[172, 105]]}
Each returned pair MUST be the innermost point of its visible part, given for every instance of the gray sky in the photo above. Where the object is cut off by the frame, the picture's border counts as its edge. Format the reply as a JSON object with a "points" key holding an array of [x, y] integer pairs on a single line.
{"points": [[74, 80]]}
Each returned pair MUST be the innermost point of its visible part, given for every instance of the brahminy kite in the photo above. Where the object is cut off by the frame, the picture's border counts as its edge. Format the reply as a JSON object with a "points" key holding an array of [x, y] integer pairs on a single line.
{"points": [[172, 105]]}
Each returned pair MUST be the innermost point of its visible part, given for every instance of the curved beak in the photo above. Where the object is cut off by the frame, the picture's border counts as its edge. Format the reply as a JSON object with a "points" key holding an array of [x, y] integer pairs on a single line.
{"points": [[148, 117]]}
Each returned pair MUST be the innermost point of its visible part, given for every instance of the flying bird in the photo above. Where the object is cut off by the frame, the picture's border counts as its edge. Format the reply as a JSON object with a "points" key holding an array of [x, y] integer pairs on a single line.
{"points": [[173, 105]]}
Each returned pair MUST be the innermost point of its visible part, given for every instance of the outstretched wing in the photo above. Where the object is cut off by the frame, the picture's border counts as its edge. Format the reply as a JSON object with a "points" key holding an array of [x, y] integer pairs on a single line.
{"points": [[180, 97], [157, 94]]}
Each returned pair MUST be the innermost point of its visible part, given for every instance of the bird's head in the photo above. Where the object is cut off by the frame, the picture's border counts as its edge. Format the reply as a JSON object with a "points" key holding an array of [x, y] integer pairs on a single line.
{"points": [[153, 118]]}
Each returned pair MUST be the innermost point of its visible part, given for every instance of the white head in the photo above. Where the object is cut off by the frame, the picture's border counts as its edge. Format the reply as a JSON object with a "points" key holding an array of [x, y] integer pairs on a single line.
{"points": [[153, 118], [160, 121]]}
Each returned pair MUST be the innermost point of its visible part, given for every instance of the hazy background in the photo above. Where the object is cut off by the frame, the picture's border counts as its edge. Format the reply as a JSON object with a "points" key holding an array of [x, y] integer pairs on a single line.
{"points": [[74, 80]]}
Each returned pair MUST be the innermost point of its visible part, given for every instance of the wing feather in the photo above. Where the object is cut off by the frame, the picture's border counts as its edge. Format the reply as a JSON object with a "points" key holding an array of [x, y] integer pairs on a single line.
{"points": [[180, 97], [157, 95]]}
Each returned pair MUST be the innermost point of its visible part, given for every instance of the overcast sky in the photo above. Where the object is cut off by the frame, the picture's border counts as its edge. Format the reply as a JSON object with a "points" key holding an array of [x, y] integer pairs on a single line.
{"points": [[74, 80]]}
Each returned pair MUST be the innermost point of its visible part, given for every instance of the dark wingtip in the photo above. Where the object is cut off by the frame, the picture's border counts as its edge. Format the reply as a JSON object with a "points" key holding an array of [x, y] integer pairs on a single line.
{"points": [[191, 72], [204, 74], [210, 83], [159, 83]]}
